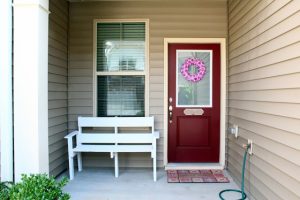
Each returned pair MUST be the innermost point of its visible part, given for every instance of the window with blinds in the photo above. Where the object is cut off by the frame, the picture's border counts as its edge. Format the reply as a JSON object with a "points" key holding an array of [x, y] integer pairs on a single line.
{"points": [[120, 68]]}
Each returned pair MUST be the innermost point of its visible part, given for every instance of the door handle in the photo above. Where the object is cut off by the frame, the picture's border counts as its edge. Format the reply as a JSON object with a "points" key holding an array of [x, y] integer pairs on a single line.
{"points": [[170, 110]]}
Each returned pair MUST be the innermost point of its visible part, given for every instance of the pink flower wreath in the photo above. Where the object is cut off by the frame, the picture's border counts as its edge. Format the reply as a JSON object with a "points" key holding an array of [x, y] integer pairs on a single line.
{"points": [[199, 64]]}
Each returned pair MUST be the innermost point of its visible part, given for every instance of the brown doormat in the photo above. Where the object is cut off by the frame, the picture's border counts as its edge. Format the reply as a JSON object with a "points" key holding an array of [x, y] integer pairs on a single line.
{"points": [[196, 176]]}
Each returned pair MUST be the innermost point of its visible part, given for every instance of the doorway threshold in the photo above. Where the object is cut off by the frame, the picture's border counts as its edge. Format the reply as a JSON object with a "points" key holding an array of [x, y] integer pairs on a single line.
{"points": [[193, 166]]}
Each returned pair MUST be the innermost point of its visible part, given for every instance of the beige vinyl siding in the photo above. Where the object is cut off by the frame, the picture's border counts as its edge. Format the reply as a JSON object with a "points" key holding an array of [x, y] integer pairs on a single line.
{"points": [[58, 79], [190, 19], [0, 155], [264, 95]]}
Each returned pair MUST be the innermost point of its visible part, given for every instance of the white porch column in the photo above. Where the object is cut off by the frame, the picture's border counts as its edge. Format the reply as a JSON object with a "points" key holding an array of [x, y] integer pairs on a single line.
{"points": [[31, 87], [6, 127]]}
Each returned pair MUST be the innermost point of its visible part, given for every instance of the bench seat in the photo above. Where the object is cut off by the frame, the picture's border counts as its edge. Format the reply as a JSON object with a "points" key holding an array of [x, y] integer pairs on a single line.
{"points": [[114, 142], [113, 148]]}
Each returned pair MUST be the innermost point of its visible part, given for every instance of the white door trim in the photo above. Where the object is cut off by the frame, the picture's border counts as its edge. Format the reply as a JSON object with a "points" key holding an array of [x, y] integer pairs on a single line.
{"points": [[222, 42]]}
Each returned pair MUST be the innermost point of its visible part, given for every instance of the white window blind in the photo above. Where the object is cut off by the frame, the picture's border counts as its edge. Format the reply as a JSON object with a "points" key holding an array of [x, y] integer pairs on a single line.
{"points": [[120, 68], [121, 46]]}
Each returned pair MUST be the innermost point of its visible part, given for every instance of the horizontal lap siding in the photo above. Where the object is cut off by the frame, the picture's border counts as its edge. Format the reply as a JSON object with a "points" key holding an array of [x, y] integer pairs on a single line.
{"points": [[190, 19], [58, 85], [264, 95]]}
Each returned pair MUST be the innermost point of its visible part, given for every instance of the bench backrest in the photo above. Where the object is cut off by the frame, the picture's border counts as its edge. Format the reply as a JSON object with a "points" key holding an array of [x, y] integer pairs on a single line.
{"points": [[116, 123]]}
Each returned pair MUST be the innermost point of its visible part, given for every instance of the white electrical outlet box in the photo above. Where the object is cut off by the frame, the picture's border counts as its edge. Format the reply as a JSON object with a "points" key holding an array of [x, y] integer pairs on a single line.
{"points": [[234, 130], [250, 150]]}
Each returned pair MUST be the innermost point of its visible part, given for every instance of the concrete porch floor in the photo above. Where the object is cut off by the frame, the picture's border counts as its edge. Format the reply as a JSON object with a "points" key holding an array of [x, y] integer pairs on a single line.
{"points": [[137, 184]]}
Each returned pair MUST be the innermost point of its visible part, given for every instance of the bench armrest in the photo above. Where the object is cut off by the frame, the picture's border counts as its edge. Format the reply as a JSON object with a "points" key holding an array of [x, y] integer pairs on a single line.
{"points": [[156, 134], [70, 135]]}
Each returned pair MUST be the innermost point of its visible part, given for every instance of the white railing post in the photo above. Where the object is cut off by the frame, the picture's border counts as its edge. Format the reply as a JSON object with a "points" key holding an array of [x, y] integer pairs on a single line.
{"points": [[31, 153], [6, 123]]}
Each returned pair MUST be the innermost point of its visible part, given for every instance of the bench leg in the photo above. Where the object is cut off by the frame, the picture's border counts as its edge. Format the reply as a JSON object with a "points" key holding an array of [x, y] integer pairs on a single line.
{"points": [[154, 159], [116, 165], [154, 167], [71, 167], [79, 160]]}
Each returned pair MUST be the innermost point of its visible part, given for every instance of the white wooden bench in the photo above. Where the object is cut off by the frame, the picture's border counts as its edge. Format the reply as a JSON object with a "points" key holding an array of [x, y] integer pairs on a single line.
{"points": [[112, 142]]}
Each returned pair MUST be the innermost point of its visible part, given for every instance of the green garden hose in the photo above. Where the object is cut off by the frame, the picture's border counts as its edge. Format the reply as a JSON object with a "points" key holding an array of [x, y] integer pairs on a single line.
{"points": [[242, 192]]}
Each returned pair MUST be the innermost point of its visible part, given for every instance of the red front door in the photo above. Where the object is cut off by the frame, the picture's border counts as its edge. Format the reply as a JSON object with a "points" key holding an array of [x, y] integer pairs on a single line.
{"points": [[194, 102]]}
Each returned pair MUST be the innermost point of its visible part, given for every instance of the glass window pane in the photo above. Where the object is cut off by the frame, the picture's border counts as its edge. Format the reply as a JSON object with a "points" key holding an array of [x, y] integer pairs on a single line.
{"points": [[121, 46], [194, 78], [121, 96]]}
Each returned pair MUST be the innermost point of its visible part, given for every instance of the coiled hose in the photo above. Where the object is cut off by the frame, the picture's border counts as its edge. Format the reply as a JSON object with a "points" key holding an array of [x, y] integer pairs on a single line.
{"points": [[242, 192]]}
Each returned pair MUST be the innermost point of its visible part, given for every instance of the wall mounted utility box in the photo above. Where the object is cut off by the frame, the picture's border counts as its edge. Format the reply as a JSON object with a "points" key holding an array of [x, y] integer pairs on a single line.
{"points": [[234, 130]]}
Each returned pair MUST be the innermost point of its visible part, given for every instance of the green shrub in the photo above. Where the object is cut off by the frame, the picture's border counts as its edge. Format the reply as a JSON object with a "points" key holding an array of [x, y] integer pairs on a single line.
{"points": [[38, 187], [4, 190]]}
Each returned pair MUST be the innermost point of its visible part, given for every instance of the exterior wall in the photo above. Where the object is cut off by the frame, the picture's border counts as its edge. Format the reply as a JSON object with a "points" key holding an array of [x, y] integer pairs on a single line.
{"points": [[191, 18], [58, 78], [264, 95], [0, 155]]}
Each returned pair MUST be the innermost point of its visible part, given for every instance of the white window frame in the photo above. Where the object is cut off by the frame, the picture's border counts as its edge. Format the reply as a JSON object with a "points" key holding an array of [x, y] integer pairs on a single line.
{"points": [[144, 73]]}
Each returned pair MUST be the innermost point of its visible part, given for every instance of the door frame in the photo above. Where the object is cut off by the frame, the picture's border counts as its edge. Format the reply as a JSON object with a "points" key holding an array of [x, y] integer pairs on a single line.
{"points": [[223, 87]]}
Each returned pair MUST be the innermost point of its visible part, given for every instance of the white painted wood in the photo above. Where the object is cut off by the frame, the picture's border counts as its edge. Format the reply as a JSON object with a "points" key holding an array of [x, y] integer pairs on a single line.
{"points": [[71, 168], [222, 42], [116, 165], [95, 88], [115, 121], [71, 158], [115, 138], [121, 73], [147, 70], [156, 134], [70, 135], [116, 155], [223, 101], [112, 143], [113, 148], [193, 166], [154, 158], [31, 154], [6, 112], [79, 160]]}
